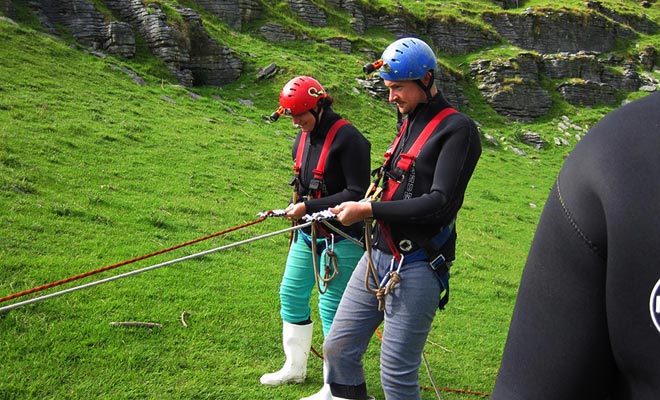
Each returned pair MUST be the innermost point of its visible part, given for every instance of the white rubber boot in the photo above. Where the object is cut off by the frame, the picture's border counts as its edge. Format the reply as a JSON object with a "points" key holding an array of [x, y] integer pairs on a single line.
{"points": [[296, 341], [324, 393]]}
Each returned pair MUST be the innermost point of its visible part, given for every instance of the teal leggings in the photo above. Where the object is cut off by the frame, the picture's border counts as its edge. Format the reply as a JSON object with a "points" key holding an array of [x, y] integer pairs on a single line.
{"points": [[298, 280]]}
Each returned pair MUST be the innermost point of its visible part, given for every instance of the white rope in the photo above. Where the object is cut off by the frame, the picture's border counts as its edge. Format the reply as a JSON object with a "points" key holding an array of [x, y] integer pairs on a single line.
{"points": [[428, 371], [139, 271], [321, 216], [272, 213]]}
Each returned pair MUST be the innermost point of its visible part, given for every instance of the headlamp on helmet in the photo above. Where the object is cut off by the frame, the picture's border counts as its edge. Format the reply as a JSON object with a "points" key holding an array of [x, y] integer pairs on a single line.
{"points": [[404, 59], [298, 96]]}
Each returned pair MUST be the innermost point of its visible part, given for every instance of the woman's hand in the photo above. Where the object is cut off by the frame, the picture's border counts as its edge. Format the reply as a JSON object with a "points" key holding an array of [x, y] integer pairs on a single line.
{"points": [[295, 211]]}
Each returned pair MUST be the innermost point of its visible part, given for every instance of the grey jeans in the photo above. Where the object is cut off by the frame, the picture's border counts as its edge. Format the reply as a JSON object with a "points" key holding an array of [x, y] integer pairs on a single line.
{"points": [[408, 314]]}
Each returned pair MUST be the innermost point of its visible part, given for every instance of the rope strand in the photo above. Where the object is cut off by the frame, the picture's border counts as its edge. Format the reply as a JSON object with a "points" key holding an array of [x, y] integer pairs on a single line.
{"points": [[138, 271], [119, 264]]}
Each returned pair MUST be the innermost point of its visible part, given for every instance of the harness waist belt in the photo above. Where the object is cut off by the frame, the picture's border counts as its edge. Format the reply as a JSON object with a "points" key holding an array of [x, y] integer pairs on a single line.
{"points": [[321, 244], [431, 251]]}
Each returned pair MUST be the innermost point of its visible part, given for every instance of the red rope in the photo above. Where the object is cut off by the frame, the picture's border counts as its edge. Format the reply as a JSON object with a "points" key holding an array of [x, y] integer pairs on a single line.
{"points": [[456, 391], [316, 353], [119, 264]]}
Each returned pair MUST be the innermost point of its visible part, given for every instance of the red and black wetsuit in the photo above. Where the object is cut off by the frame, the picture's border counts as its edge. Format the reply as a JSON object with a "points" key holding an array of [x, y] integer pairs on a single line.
{"points": [[442, 171], [346, 174]]}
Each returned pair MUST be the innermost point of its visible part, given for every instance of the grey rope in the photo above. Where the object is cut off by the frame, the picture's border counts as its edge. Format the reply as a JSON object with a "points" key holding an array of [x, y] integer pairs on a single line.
{"points": [[139, 271]]}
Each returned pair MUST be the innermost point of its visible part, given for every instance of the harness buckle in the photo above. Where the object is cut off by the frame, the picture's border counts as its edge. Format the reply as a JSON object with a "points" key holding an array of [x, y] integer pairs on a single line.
{"points": [[314, 184], [405, 245], [396, 174], [293, 181], [437, 262]]}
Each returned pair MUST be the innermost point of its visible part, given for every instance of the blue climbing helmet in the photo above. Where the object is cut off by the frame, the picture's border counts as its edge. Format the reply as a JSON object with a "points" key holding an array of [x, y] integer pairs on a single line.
{"points": [[407, 59]]}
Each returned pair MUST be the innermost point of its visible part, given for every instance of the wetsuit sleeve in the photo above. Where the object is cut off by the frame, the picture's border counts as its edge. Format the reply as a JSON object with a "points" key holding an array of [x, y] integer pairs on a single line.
{"points": [[353, 155], [558, 343], [453, 168], [582, 326], [557, 346]]}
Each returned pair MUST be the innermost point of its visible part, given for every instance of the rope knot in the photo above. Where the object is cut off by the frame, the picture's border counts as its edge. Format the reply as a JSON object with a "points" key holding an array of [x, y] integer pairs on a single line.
{"points": [[380, 295], [394, 280]]}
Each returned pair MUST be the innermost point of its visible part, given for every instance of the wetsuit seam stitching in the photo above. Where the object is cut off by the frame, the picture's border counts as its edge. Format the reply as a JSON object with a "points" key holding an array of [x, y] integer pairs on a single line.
{"points": [[574, 223]]}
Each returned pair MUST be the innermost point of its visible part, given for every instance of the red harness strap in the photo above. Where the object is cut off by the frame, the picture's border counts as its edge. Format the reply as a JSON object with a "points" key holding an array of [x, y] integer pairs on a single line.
{"points": [[406, 159], [320, 166], [405, 162]]}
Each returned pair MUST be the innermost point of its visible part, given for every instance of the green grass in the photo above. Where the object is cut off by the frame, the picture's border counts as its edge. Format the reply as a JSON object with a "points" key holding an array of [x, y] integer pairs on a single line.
{"points": [[95, 170]]}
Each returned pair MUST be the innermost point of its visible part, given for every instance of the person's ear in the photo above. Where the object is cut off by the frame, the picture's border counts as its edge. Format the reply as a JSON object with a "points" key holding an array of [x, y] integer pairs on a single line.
{"points": [[427, 78]]}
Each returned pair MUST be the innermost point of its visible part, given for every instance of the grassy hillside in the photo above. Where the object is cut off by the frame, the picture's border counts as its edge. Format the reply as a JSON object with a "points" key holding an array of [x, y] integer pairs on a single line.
{"points": [[95, 169]]}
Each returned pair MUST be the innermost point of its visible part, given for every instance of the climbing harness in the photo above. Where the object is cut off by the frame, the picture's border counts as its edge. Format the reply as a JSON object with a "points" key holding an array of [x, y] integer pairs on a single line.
{"points": [[407, 160], [316, 190], [383, 286], [316, 185]]}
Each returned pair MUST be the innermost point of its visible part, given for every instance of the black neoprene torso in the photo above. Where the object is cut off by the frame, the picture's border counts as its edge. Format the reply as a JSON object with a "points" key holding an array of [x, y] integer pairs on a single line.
{"points": [[347, 168], [584, 323], [442, 171]]}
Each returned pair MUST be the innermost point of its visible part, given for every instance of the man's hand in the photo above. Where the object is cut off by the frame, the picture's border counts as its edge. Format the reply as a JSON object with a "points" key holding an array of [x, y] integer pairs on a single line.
{"points": [[295, 211], [351, 212]]}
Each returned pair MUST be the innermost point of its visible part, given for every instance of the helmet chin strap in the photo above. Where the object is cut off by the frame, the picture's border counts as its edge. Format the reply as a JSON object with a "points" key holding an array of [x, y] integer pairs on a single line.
{"points": [[427, 88], [427, 91]]}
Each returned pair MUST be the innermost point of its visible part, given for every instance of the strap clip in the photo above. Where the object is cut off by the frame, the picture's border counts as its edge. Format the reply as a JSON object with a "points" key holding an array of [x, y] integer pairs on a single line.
{"points": [[437, 262], [396, 174], [293, 180]]}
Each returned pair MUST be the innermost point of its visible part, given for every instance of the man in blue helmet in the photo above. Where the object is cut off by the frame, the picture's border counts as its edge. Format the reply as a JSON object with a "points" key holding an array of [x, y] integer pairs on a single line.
{"points": [[403, 277]]}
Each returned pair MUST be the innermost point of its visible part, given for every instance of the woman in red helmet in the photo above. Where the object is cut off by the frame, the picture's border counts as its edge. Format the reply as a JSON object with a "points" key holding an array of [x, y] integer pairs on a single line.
{"points": [[331, 165]]}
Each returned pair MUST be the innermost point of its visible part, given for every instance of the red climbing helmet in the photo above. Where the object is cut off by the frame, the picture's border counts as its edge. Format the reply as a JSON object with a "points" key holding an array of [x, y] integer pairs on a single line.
{"points": [[299, 95]]}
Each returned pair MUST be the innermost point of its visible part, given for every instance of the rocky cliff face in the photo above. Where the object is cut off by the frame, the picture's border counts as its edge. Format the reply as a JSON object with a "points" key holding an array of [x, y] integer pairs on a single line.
{"points": [[554, 31], [568, 47], [6, 8], [192, 56], [512, 86], [460, 37], [185, 47], [235, 13], [81, 18]]}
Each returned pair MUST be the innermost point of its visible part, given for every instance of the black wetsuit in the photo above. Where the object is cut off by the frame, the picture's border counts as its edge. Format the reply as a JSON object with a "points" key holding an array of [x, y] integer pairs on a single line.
{"points": [[585, 323], [442, 171], [443, 168], [347, 168]]}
